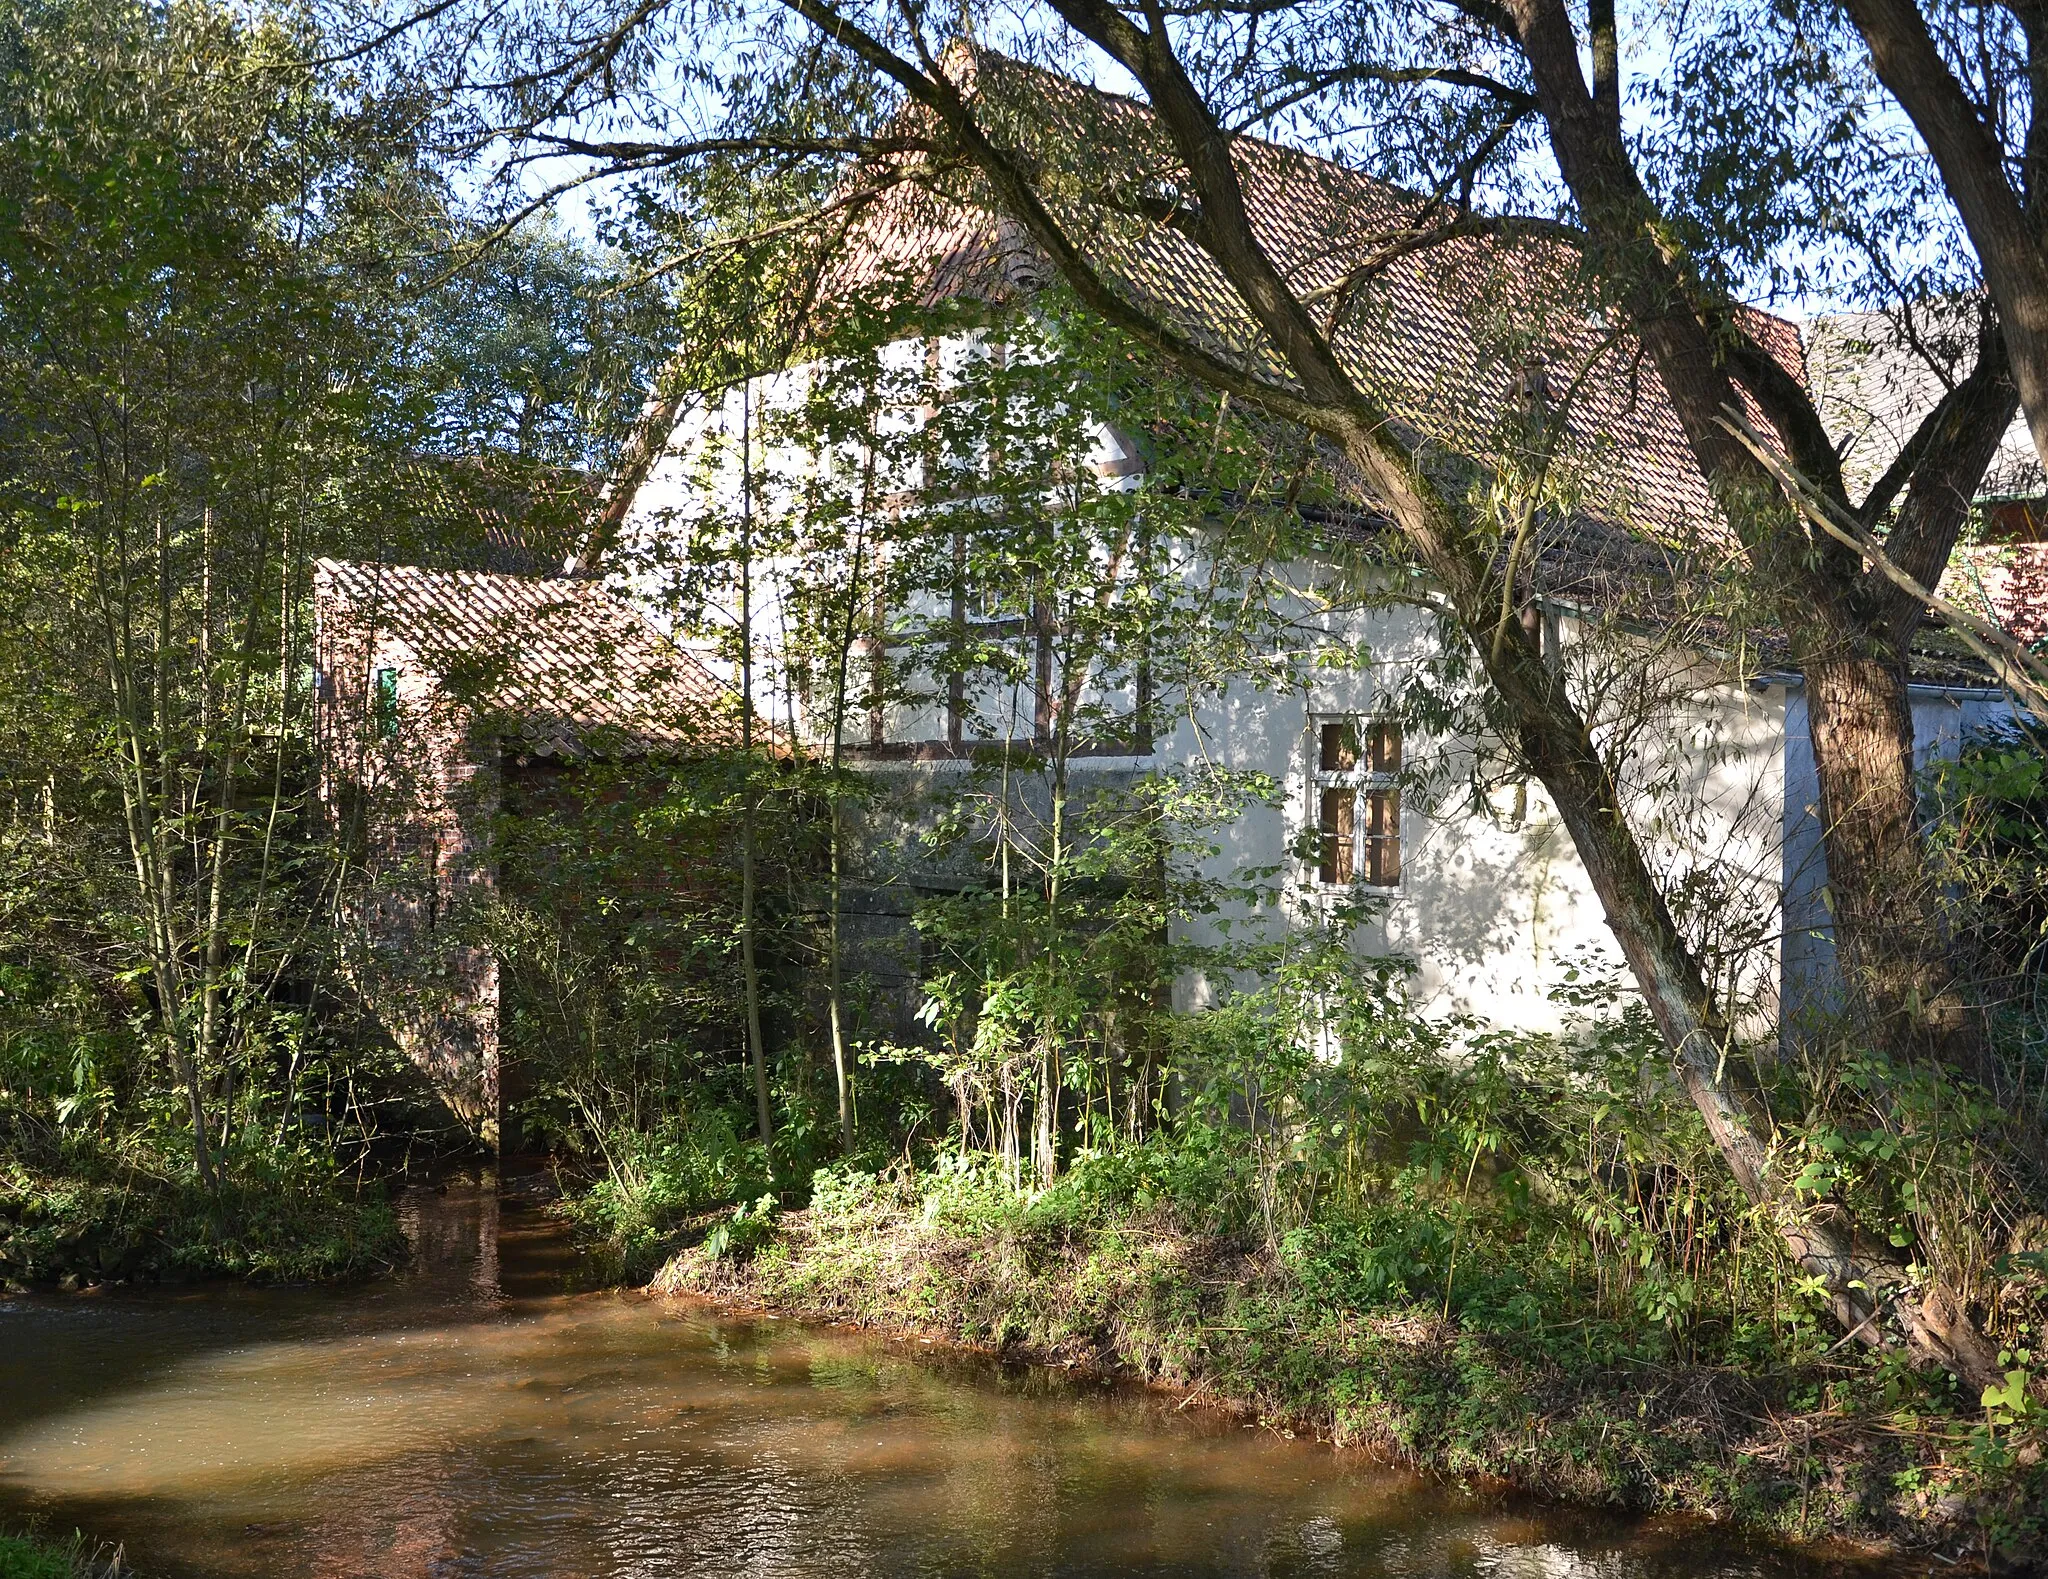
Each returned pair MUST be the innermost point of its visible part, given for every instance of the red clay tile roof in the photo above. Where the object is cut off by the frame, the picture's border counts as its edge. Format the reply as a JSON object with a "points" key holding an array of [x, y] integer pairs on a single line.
{"points": [[561, 664], [1439, 337]]}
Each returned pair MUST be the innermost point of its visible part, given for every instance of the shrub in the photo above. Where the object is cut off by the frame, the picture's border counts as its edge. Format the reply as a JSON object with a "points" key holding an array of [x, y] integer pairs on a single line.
{"points": [[655, 1184]]}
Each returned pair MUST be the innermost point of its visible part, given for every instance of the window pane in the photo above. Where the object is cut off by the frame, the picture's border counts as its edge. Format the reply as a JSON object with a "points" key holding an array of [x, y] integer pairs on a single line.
{"points": [[1383, 838], [1336, 822], [1340, 747], [385, 703], [1386, 745]]}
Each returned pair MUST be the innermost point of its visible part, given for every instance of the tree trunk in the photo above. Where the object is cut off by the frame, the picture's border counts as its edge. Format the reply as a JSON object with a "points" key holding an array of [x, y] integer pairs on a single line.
{"points": [[835, 987], [1864, 1283], [1628, 245], [842, 658], [750, 968], [1889, 936], [1893, 946]]}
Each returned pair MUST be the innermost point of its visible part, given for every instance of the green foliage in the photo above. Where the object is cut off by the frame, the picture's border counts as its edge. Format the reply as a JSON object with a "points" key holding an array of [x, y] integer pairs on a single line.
{"points": [[1990, 839], [616, 933], [270, 1217], [1048, 995], [215, 365], [1565, 1360], [655, 1183], [24, 1558], [31, 1554], [1558, 1194], [97, 1178], [537, 350], [744, 1231]]}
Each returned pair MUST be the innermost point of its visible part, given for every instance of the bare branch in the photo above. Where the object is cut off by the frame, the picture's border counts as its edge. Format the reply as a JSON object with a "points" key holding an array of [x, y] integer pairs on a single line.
{"points": [[654, 155], [1517, 99], [388, 35]]}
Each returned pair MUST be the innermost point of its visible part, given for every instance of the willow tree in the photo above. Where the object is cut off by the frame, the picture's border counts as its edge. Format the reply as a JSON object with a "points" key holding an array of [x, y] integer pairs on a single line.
{"points": [[1974, 80]]}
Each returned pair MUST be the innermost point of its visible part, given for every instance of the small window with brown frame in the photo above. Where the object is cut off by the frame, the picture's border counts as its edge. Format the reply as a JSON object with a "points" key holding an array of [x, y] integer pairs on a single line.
{"points": [[1358, 801]]}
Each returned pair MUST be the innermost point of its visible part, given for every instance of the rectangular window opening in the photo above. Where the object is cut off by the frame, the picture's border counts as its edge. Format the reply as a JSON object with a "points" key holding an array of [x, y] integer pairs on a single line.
{"points": [[385, 704], [1358, 802]]}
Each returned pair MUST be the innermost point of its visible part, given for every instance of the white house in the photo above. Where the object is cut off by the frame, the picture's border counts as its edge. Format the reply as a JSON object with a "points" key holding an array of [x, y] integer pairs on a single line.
{"points": [[1479, 885]]}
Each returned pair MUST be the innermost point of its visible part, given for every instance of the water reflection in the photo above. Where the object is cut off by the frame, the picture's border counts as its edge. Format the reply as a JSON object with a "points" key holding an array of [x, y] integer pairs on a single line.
{"points": [[474, 1419]]}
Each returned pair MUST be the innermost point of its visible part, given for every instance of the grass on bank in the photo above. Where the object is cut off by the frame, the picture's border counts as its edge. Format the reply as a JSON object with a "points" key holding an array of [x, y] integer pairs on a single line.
{"points": [[91, 1214], [656, 1187], [29, 1556], [1486, 1251], [1457, 1341]]}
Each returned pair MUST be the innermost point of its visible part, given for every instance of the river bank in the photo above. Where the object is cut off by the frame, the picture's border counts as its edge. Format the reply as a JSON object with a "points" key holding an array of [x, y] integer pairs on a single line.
{"points": [[488, 1410], [109, 1226], [1844, 1448]]}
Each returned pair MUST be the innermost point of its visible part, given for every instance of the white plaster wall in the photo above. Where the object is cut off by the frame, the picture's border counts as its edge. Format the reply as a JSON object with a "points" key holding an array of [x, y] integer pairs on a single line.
{"points": [[1941, 719], [698, 475], [695, 479], [1494, 911]]}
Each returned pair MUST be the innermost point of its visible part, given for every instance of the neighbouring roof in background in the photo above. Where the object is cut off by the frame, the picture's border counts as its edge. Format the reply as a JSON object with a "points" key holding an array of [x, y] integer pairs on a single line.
{"points": [[1443, 337], [1874, 384], [564, 666], [495, 513]]}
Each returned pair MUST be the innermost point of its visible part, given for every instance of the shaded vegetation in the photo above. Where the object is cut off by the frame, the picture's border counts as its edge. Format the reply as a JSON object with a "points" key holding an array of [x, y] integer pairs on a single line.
{"points": [[95, 1219], [1514, 1262], [225, 350]]}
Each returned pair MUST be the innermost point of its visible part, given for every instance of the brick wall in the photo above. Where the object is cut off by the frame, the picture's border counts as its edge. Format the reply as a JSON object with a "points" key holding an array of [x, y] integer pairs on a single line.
{"points": [[412, 786]]}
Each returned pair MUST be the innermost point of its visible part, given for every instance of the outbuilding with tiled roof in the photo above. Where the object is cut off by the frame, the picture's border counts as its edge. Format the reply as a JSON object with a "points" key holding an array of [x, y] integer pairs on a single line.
{"points": [[434, 688]]}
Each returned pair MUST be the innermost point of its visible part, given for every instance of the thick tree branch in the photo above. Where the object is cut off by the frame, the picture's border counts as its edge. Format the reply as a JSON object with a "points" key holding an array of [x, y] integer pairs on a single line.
{"points": [[1316, 85], [1016, 194], [1626, 238], [1787, 404], [1389, 247], [1225, 226], [1955, 442], [1939, 425], [650, 155], [2017, 669], [1606, 41]]}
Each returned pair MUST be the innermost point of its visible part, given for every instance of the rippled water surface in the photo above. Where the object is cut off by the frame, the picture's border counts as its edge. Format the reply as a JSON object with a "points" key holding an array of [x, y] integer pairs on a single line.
{"points": [[475, 1418]]}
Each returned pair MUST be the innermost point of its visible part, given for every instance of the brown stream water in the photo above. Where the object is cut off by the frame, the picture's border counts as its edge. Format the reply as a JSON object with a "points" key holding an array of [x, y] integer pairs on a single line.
{"points": [[478, 1417]]}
